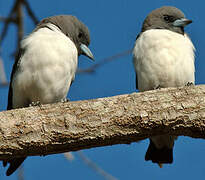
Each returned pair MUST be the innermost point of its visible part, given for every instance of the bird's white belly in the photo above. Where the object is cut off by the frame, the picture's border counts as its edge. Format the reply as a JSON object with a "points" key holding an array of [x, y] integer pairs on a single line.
{"points": [[163, 58], [46, 70]]}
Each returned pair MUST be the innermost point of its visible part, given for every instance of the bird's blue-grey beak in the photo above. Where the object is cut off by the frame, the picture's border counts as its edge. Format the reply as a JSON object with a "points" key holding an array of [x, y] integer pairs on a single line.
{"points": [[182, 22], [86, 51]]}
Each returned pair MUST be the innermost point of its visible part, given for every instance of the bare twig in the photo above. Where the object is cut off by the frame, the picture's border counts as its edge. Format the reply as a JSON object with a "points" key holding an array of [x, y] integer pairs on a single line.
{"points": [[104, 61], [30, 12], [6, 19], [16, 16], [10, 16], [95, 167], [69, 156], [19, 21], [4, 85], [20, 175], [3, 80]]}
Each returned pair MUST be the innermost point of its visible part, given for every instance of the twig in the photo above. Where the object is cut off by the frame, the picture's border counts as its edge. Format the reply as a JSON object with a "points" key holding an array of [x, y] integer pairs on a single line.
{"points": [[69, 156], [6, 19], [2, 73], [16, 16], [30, 12], [92, 68], [95, 167], [19, 19], [10, 16], [20, 175]]}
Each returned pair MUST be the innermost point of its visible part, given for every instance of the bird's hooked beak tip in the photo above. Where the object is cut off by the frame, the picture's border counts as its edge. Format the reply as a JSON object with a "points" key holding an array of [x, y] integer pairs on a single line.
{"points": [[182, 22], [86, 51]]}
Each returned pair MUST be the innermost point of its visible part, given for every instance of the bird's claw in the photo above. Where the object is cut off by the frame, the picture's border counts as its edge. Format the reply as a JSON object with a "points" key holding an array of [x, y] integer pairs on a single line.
{"points": [[189, 84], [37, 103], [64, 100], [157, 87]]}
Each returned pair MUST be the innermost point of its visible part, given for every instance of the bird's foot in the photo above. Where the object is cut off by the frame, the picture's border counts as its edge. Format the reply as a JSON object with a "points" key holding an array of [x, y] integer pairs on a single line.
{"points": [[37, 103], [189, 84], [64, 100], [157, 87]]}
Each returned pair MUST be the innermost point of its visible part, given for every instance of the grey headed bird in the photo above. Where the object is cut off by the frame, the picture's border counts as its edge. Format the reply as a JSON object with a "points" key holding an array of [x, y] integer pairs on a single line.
{"points": [[46, 65], [163, 56]]}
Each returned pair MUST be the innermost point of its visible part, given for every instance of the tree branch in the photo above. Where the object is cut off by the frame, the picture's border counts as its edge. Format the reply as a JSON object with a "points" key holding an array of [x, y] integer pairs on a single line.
{"points": [[123, 119]]}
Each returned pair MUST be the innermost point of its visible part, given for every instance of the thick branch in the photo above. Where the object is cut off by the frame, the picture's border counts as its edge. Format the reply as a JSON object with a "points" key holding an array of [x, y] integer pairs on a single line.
{"points": [[72, 126]]}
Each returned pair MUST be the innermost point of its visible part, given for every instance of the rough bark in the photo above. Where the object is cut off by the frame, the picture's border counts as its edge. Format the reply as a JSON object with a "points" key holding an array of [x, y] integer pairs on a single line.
{"points": [[123, 119]]}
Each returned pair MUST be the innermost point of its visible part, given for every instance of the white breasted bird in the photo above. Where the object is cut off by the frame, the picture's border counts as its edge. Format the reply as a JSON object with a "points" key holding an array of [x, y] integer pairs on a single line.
{"points": [[163, 56], [46, 65]]}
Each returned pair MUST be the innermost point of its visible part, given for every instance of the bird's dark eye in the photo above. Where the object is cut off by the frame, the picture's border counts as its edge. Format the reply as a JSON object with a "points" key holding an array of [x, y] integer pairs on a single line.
{"points": [[80, 35], [168, 18]]}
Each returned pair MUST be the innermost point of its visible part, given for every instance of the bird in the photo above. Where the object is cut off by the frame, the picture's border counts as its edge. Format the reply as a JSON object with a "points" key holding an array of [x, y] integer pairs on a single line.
{"points": [[46, 64], [163, 56]]}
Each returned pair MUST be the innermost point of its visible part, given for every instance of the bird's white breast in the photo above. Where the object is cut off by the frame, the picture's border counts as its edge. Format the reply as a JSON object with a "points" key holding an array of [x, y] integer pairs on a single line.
{"points": [[46, 69], [163, 58]]}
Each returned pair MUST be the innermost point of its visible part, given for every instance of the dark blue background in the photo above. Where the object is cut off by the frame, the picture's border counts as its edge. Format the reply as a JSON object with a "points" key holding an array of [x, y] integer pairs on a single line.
{"points": [[113, 27]]}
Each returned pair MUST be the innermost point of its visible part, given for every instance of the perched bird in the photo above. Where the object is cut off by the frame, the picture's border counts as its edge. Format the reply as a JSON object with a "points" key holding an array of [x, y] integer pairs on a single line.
{"points": [[163, 56], [46, 65]]}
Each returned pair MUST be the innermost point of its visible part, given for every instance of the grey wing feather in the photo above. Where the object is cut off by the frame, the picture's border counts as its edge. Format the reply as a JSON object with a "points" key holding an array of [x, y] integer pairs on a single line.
{"points": [[14, 165], [136, 73], [15, 67], [136, 82]]}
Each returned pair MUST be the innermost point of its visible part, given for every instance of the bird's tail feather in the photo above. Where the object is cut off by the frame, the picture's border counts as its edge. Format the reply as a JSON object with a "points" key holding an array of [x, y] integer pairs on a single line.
{"points": [[164, 155], [14, 164]]}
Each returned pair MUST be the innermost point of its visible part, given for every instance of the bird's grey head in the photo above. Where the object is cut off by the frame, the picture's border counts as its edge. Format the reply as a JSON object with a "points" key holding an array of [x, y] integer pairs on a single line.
{"points": [[74, 29], [166, 17]]}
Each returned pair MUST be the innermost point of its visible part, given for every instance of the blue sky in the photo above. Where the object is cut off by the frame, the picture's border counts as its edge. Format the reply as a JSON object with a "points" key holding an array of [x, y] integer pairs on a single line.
{"points": [[113, 27]]}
